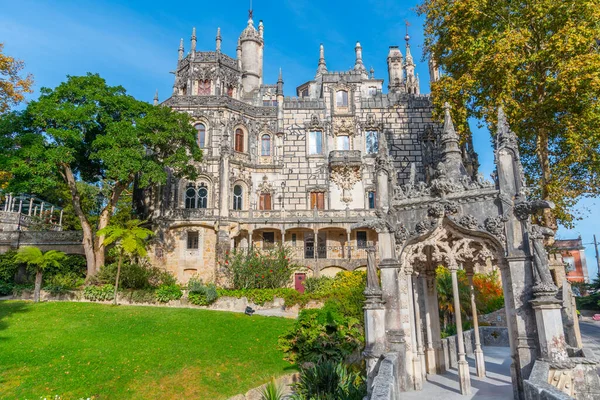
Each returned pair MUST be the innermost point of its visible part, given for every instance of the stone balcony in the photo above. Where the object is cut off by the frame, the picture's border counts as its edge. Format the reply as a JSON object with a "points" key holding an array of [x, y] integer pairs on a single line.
{"points": [[345, 158]]}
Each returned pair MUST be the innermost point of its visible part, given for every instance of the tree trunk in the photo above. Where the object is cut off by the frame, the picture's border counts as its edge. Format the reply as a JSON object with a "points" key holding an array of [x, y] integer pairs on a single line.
{"points": [[88, 233], [548, 219], [104, 220], [118, 275], [38, 286]]}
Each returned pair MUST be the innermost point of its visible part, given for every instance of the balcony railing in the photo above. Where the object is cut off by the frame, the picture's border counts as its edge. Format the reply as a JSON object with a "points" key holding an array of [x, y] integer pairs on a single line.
{"points": [[345, 157], [307, 252]]}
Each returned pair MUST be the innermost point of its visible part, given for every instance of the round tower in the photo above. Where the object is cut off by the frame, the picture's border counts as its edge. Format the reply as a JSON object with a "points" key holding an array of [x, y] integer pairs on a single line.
{"points": [[252, 45]]}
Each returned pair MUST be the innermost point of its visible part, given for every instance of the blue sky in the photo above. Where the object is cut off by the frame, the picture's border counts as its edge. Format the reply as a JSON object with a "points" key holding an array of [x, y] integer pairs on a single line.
{"points": [[134, 44]]}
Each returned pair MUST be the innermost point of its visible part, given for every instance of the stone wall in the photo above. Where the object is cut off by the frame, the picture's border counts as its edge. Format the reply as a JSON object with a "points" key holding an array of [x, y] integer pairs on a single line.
{"points": [[496, 318], [489, 336]]}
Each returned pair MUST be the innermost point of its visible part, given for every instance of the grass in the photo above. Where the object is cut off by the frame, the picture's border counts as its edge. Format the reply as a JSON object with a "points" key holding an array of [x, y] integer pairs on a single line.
{"points": [[87, 350]]}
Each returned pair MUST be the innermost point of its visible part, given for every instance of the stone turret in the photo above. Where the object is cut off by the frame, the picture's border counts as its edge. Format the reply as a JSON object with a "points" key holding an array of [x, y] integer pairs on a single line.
{"points": [[218, 40], [358, 65], [251, 53], [180, 51], [395, 72], [193, 39], [412, 81], [434, 71]]}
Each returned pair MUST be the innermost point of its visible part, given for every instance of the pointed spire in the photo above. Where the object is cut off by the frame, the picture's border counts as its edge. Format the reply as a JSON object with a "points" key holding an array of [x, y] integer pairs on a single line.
{"points": [[279, 91], [449, 133], [505, 137], [434, 71], [358, 64], [261, 29], [218, 40], [322, 68], [156, 98], [193, 51], [180, 52], [451, 154]]}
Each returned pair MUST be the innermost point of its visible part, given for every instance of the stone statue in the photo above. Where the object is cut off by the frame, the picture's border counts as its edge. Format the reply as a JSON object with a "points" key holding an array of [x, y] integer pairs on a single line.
{"points": [[544, 283], [372, 278]]}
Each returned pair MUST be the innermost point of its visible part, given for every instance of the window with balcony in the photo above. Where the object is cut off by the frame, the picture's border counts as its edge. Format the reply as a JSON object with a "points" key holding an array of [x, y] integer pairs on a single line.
{"points": [[317, 200], [371, 199], [341, 98], [343, 142], [196, 197], [372, 142], [201, 136], [265, 145], [361, 239], [192, 240], [315, 142], [265, 201], [239, 140], [238, 197]]}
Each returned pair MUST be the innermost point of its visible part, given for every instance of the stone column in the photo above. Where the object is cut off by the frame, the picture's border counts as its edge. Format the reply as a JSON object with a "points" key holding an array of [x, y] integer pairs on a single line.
{"points": [[20, 204], [479, 358], [42, 210], [417, 370], [30, 206], [418, 325], [374, 318], [463, 365], [316, 243], [548, 315], [349, 245], [224, 186], [60, 218], [430, 356]]}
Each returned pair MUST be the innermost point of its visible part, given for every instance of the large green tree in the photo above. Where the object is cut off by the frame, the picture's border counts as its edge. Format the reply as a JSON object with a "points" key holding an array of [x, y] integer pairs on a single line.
{"points": [[540, 59], [85, 132]]}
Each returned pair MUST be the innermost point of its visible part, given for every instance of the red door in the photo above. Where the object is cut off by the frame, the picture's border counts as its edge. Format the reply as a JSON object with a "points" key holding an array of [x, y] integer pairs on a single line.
{"points": [[299, 279]]}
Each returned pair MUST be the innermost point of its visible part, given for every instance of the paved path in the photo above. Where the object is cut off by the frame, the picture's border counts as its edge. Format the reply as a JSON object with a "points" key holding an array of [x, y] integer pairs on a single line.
{"points": [[496, 385], [590, 335]]}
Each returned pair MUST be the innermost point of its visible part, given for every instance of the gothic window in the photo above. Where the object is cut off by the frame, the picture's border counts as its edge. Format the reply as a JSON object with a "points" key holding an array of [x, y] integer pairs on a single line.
{"points": [[201, 129], [372, 142], [294, 239], [361, 239], [230, 91], [317, 200], [192, 240], [315, 142], [371, 198], [204, 87], [237, 197], [341, 97], [202, 196], [190, 196], [239, 140], [343, 142], [265, 145], [265, 201]]}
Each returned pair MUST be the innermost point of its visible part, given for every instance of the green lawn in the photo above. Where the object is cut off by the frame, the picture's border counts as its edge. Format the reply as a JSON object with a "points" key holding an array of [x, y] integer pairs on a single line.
{"points": [[82, 350]]}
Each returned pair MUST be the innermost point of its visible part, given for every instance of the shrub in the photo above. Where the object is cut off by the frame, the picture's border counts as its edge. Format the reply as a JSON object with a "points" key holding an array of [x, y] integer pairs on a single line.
{"points": [[63, 282], [321, 335], [99, 293], [166, 293], [8, 266], [271, 391], [323, 284], [259, 269], [200, 294], [591, 302], [6, 288], [141, 296], [330, 381], [135, 276]]}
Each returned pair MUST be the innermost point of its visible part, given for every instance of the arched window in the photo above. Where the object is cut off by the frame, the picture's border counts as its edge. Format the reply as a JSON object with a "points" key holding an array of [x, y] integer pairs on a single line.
{"points": [[341, 98], [204, 87], [190, 196], [237, 197], [201, 129], [202, 196], [265, 145], [239, 140]]}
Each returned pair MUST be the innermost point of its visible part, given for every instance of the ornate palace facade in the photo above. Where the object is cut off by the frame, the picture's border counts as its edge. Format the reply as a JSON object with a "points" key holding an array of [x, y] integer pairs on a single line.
{"points": [[298, 170]]}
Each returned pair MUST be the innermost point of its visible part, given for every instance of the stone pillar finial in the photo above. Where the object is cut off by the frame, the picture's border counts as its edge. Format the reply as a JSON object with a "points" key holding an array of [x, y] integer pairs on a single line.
{"points": [[180, 51], [193, 39], [322, 68], [155, 102], [218, 40]]}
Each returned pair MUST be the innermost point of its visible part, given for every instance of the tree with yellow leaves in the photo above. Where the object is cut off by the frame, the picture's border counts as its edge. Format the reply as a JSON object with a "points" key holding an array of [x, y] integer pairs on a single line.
{"points": [[13, 85], [540, 59]]}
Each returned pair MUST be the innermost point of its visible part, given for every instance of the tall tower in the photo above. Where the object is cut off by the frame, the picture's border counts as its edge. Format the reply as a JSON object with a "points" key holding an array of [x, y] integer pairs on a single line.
{"points": [[395, 72], [252, 47]]}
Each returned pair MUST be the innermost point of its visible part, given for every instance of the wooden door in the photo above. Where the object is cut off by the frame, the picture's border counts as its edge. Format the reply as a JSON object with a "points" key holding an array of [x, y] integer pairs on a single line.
{"points": [[299, 279]]}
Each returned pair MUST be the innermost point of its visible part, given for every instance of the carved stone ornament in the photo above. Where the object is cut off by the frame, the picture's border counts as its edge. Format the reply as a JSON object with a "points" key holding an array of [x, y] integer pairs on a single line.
{"points": [[495, 226], [344, 126], [424, 227], [346, 176], [468, 221], [442, 185], [265, 186]]}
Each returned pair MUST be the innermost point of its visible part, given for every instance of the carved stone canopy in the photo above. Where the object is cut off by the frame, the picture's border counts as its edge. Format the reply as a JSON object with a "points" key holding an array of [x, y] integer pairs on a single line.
{"points": [[265, 186], [449, 247]]}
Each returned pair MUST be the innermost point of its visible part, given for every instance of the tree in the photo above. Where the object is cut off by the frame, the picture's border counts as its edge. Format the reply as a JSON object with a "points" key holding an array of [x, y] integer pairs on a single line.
{"points": [[38, 261], [13, 86], [85, 131], [540, 59], [129, 240]]}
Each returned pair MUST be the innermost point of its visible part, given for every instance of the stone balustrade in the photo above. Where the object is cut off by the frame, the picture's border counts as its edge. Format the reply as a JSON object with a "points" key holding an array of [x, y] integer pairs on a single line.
{"points": [[274, 216]]}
